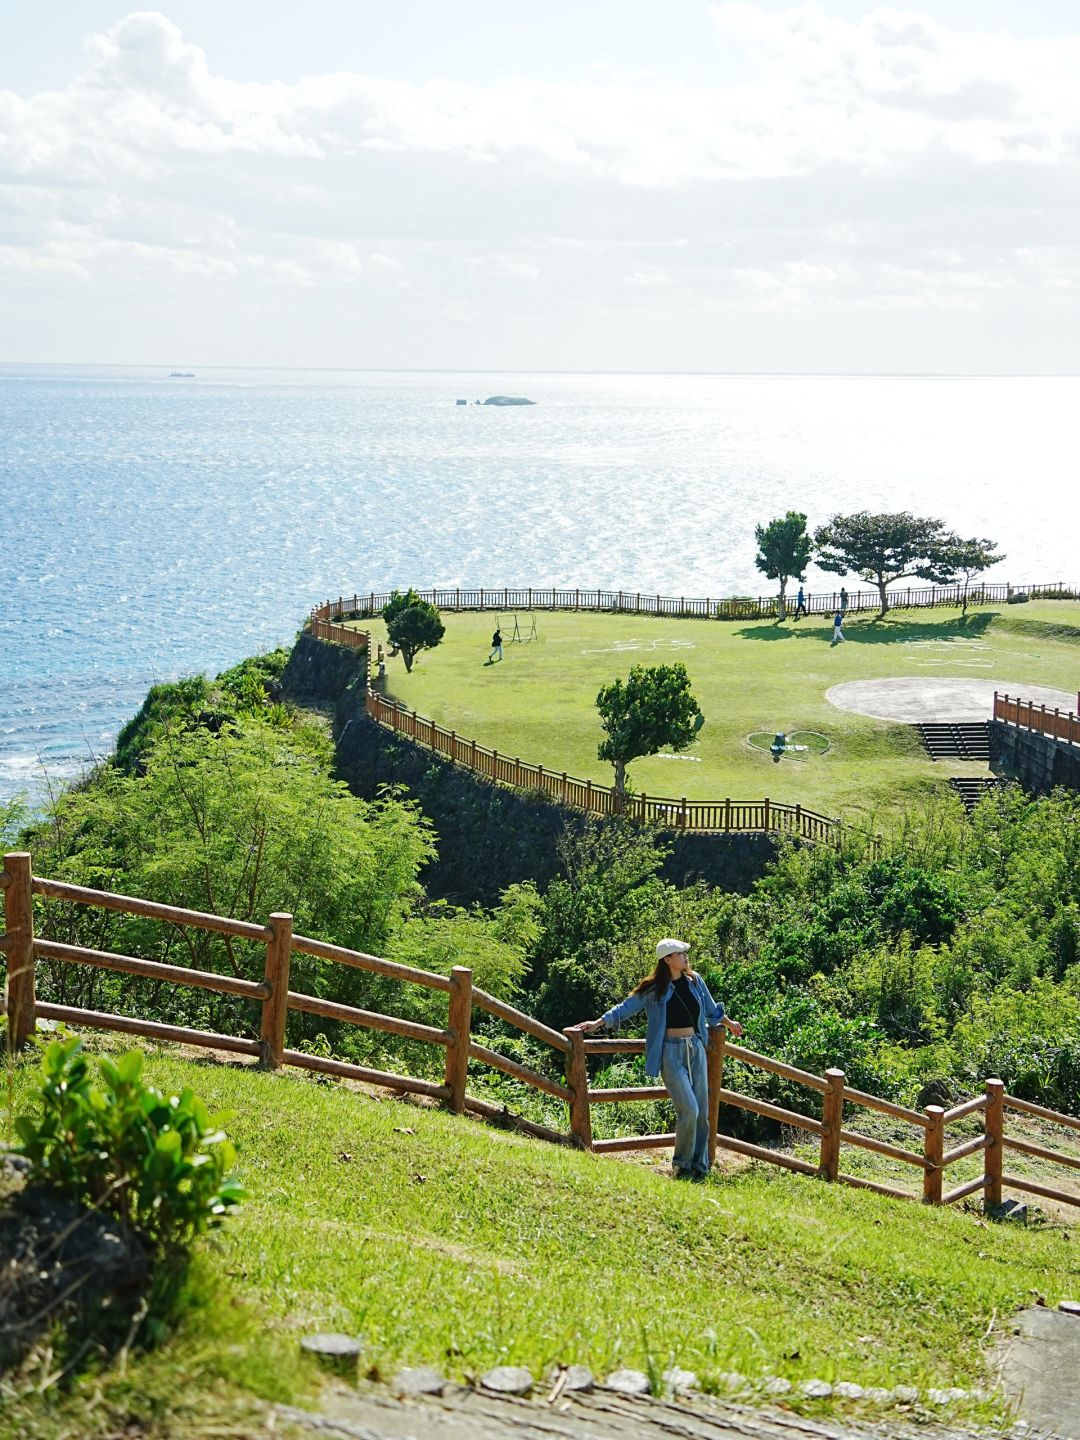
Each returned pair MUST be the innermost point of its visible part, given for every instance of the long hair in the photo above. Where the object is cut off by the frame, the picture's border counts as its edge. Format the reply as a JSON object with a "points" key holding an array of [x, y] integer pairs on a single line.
{"points": [[660, 979]]}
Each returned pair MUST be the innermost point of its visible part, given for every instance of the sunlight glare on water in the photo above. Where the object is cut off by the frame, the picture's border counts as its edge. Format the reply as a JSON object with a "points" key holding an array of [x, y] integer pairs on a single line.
{"points": [[156, 527]]}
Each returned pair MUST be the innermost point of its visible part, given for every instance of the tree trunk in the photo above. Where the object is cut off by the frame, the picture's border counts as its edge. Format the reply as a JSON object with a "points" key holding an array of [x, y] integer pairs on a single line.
{"points": [[782, 610], [620, 776], [881, 584]]}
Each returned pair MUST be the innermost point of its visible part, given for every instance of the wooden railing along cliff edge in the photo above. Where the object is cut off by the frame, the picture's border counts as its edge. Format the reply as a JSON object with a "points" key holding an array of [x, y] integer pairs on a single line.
{"points": [[22, 949], [1029, 716], [709, 816], [738, 607], [725, 816]]}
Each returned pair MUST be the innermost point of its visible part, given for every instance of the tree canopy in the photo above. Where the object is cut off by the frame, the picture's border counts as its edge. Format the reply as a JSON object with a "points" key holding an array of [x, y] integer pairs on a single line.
{"points": [[783, 551], [653, 707], [412, 624], [882, 549], [965, 559]]}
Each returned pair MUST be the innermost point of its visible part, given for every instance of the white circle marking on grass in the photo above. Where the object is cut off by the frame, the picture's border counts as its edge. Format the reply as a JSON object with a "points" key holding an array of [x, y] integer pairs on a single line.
{"points": [[914, 698]]}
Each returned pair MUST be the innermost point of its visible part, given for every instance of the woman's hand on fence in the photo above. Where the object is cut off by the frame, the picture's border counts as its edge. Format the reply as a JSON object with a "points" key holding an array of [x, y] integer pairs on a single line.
{"points": [[734, 1026], [587, 1026]]}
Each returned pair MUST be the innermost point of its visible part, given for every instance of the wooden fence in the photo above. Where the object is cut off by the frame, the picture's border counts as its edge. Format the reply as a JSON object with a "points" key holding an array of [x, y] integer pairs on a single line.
{"points": [[710, 816], [22, 949], [739, 607], [324, 629], [1062, 726]]}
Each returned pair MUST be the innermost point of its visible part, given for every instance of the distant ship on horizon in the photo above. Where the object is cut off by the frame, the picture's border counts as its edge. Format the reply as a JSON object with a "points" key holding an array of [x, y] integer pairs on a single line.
{"points": [[181, 374]]}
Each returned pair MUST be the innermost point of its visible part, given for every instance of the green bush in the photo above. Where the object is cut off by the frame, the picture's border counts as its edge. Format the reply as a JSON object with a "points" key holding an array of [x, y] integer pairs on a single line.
{"points": [[162, 1164]]}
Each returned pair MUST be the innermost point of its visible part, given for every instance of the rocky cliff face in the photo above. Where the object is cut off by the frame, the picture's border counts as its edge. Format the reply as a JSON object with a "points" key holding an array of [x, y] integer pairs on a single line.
{"points": [[321, 674]]}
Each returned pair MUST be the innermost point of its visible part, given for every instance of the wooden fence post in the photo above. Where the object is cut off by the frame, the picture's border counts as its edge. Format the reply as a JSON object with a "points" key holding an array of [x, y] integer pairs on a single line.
{"points": [[275, 1007], [577, 1078], [459, 1024], [933, 1150], [832, 1119], [994, 1130], [19, 948], [714, 1063]]}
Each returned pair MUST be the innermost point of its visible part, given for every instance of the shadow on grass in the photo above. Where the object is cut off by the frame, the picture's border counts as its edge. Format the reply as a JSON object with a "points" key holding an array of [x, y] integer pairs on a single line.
{"points": [[887, 631]]}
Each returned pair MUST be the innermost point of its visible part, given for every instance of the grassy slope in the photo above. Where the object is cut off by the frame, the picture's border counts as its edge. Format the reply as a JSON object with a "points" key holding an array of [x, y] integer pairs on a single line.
{"points": [[445, 1242], [540, 703]]}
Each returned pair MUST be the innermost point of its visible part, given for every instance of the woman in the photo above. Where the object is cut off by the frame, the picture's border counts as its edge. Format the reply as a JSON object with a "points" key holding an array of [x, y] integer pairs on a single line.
{"points": [[679, 1012]]}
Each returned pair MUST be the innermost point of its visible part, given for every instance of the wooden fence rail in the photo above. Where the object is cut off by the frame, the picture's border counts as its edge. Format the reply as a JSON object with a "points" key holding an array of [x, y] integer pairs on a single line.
{"points": [[324, 629], [707, 816], [22, 949], [738, 607], [1029, 716]]}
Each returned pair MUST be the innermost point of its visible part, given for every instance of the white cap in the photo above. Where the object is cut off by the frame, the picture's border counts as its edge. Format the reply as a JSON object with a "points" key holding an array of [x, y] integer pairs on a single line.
{"points": [[671, 947]]}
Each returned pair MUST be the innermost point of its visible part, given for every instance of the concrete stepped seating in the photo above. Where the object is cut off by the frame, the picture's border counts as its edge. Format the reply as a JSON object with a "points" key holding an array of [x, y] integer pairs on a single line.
{"points": [[956, 740], [971, 789]]}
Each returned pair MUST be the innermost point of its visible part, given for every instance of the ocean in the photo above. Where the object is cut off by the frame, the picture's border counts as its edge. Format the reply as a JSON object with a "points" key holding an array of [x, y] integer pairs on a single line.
{"points": [[157, 526]]}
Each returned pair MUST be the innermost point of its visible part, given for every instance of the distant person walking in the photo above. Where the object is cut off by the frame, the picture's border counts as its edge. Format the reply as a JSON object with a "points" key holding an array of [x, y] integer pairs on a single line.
{"points": [[496, 647], [843, 599], [837, 632], [800, 603], [679, 1012]]}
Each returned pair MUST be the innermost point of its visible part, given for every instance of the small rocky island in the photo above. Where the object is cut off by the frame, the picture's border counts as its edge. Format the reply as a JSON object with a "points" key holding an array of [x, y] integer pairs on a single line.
{"points": [[506, 400]]}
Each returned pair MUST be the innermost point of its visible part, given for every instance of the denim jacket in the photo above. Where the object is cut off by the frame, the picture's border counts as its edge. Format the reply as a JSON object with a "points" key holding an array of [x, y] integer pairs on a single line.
{"points": [[654, 1003]]}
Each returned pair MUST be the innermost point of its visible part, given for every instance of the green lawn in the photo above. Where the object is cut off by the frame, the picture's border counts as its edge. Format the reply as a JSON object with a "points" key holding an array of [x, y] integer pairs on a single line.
{"points": [[748, 677], [445, 1242]]}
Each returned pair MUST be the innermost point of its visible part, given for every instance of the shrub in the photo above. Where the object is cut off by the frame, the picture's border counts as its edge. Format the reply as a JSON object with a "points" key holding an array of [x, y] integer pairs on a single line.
{"points": [[161, 1164]]}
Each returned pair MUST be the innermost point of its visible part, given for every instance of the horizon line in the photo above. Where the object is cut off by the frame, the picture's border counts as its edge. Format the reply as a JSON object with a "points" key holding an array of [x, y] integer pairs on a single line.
{"points": [[674, 374]]}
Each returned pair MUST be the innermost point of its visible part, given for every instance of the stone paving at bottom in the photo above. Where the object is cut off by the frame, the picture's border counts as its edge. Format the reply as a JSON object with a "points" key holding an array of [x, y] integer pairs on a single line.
{"points": [[463, 1414]]}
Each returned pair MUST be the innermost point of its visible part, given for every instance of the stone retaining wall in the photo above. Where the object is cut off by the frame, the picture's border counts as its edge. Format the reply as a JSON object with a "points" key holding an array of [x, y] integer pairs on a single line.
{"points": [[489, 836], [1039, 761]]}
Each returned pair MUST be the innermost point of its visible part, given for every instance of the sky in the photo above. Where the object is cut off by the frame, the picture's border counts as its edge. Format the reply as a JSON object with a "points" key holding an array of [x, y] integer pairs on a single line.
{"points": [[609, 185]]}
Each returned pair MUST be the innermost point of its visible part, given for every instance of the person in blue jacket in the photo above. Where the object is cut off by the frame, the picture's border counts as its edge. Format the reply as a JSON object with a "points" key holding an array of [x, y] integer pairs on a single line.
{"points": [[679, 1013]]}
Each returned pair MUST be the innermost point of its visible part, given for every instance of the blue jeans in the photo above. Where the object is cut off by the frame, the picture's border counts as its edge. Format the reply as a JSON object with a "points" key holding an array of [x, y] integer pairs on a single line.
{"points": [[684, 1074]]}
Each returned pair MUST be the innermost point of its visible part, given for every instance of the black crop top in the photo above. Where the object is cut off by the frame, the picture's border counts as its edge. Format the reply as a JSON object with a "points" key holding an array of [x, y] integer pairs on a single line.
{"points": [[683, 1009]]}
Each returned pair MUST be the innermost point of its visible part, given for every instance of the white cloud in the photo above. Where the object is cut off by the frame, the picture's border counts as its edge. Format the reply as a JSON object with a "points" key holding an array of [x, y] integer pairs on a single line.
{"points": [[887, 163]]}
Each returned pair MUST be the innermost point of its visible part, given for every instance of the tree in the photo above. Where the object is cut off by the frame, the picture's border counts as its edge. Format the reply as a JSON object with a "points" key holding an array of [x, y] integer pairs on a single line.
{"points": [[967, 558], [884, 548], [412, 624], [653, 707], [238, 824], [783, 551]]}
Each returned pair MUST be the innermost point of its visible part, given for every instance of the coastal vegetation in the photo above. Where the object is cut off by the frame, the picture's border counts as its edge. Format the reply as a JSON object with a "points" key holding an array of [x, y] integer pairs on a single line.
{"points": [[949, 953]]}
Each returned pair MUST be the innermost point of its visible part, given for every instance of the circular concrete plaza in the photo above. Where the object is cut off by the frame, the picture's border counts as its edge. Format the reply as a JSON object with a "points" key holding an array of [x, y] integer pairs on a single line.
{"points": [[913, 698]]}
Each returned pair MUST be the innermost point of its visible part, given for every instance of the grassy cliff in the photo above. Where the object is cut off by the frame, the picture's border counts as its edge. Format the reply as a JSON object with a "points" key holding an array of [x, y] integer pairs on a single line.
{"points": [[444, 1242]]}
